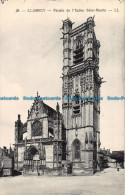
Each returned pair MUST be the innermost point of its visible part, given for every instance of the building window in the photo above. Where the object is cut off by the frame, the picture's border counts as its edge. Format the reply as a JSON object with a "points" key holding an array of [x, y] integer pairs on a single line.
{"points": [[76, 107], [50, 132], [37, 128], [76, 149]]}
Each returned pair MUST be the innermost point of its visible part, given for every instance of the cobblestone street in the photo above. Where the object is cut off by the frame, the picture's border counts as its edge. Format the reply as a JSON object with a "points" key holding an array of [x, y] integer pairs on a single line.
{"points": [[108, 182]]}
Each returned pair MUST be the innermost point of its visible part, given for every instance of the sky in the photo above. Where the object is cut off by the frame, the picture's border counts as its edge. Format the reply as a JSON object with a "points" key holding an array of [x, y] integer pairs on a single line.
{"points": [[31, 60]]}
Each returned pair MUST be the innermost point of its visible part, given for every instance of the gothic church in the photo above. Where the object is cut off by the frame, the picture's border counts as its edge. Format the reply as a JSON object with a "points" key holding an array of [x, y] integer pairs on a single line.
{"points": [[66, 143]]}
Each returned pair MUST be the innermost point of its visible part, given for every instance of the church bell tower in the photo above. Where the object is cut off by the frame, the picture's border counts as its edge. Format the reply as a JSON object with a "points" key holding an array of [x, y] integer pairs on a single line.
{"points": [[81, 83]]}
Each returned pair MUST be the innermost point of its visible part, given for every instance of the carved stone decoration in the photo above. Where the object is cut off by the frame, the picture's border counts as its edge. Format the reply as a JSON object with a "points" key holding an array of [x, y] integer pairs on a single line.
{"points": [[98, 107], [81, 80], [65, 83], [87, 86], [70, 83], [86, 81], [76, 84], [92, 86], [86, 138], [64, 41], [77, 90], [99, 143], [36, 128], [79, 41], [15, 154], [90, 137], [65, 92], [55, 152], [42, 153], [70, 91], [83, 88], [69, 40], [70, 86]]}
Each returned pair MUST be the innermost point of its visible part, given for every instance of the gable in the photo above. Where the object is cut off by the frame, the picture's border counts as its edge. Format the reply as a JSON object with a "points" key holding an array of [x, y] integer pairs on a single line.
{"points": [[39, 110]]}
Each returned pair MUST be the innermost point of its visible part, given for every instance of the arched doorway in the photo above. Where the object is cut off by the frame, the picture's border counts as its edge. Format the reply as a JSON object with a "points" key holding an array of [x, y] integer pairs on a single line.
{"points": [[31, 163], [76, 150]]}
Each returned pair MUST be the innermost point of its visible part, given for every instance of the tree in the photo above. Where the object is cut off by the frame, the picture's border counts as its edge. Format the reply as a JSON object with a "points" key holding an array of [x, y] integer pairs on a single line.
{"points": [[118, 156]]}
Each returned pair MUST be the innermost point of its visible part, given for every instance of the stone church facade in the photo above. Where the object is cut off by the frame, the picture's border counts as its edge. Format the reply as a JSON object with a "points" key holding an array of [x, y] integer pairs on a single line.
{"points": [[69, 141], [45, 140], [81, 79]]}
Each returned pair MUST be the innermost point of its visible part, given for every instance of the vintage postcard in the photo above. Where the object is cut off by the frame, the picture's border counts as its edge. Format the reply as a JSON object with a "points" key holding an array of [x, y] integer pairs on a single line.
{"points": [[62, 97]]}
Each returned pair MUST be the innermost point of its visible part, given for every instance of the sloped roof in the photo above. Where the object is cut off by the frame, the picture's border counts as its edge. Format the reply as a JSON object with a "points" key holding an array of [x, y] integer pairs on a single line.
{"points": [[4, 153], [49, 109]]}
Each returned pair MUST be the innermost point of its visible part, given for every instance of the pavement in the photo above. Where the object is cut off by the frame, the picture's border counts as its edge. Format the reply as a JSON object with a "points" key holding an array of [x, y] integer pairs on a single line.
{"points": [[108, 182]]}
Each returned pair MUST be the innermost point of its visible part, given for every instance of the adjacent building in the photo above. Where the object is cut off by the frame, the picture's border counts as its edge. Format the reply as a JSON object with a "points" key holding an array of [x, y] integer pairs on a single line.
{"points": [[6, 161]]}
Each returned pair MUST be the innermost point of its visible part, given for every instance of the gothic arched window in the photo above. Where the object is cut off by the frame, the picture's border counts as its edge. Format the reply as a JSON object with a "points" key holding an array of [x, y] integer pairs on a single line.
{"points": [[76, 149], [36, 128], [77, 99], [76, 107], [50, 132]]}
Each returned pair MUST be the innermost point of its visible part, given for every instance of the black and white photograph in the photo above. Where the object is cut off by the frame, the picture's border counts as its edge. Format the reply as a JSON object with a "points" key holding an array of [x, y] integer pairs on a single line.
{"points": [[62, 97]]}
